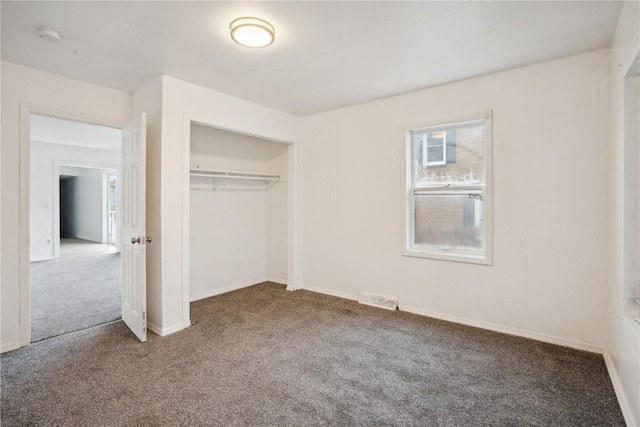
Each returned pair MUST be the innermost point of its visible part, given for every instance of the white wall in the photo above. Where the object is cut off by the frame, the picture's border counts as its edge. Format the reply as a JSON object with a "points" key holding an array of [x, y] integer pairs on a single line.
{"points": [[27, 86], [278, 211], [90, 201], [547, 281], [89, 219], [622, 333], [234, 223], [182, 100]]}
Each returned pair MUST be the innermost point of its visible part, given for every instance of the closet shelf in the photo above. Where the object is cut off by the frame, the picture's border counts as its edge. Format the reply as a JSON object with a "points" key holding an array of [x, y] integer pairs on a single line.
{"points": [[234, 175]]}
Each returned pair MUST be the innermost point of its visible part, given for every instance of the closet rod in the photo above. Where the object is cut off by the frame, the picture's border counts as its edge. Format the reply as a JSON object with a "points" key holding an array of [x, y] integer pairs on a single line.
{"points": [[234, 175]]}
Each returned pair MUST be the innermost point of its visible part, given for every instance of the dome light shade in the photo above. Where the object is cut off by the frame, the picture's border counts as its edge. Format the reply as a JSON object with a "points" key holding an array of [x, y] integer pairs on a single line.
{"points": [[252, 32]]}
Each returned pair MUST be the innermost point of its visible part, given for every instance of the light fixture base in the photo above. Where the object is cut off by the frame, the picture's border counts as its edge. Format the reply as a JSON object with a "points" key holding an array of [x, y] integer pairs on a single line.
{"points": [[252, 32], [48, 34]]}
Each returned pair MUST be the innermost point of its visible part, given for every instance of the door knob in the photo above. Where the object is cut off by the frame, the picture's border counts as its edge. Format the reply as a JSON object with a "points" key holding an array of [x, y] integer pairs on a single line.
{"points": [[141, 240]]}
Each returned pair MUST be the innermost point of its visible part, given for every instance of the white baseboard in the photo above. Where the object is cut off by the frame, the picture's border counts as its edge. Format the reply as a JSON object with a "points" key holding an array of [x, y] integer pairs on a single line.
{"points": [[330, 292], [10, 346], [278, 280], [506, 330], [478, 324], [165, 331], [214, 292], [41, 258], [629, 417]]}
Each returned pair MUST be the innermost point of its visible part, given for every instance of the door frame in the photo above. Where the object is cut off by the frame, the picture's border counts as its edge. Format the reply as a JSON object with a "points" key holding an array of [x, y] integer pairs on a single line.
{"points": [[293, 221], [56, 198], [23, 217]]}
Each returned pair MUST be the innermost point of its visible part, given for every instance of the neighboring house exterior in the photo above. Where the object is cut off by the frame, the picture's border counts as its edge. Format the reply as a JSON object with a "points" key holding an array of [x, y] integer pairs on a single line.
{"points": [[454, 157]]}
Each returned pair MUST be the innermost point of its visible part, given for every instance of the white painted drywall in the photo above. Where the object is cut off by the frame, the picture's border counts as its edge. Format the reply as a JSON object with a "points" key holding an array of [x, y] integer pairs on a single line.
{"points": [[182, 100], [236, 230], [550, 121], [89, 219], [622, 333], [90, 193], [27, 86], [278, 216]]}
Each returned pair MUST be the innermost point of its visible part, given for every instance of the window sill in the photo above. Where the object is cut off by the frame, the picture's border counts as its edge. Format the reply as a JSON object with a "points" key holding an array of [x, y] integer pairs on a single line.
{"points": [[470, 259]]}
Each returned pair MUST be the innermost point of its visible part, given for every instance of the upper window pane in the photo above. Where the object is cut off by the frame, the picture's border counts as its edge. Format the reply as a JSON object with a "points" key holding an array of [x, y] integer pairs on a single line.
{"points": [[449, 156]]}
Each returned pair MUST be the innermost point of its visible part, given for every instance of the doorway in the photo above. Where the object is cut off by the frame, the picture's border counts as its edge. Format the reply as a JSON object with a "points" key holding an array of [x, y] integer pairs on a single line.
{"points": [[87, 211], [74, 226]]}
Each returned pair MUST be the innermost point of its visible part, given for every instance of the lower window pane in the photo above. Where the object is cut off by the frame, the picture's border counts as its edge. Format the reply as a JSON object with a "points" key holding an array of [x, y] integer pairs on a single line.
{"points": [[451, 220]]}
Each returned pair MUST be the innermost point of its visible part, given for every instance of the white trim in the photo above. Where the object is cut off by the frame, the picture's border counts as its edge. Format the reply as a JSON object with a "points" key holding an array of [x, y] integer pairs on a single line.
{"points": [[277, 280], [224, 290], [41, 258], [425, 150], [457, 257], [331, 292], [627, 413], [294, 245], [10, 346], [57, 163], [592, 348], [485, 188], [209, 122], [25, 165], [478, 324], [186, 219], [166, 331]]}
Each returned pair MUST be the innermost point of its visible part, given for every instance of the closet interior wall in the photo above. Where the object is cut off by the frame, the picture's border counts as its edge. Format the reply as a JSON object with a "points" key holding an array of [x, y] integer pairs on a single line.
{"points": [[238, 227]]}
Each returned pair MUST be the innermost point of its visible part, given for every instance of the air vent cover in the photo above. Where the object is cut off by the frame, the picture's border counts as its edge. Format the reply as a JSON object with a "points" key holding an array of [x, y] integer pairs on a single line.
{"points": [[378, 301]]}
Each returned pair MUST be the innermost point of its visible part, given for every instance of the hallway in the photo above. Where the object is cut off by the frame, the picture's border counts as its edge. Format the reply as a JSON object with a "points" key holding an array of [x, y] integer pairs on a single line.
{"points": [[71, 247]]}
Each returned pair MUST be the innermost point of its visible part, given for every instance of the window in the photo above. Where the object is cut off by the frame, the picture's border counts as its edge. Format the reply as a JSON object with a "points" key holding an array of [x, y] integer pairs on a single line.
{"points": [[436, 148], [448, 191]]}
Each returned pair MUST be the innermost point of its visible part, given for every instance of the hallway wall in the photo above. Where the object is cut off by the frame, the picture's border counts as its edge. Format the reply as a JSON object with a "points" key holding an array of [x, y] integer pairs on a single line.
{"points": [[44, 159]]}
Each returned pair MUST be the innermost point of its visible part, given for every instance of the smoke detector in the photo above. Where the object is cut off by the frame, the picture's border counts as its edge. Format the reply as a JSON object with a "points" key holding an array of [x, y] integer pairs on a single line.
{"points": [[48, 34]]}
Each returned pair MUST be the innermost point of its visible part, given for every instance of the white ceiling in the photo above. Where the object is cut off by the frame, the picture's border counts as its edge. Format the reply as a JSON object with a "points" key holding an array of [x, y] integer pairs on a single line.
{"points": [[59, 131], [326, 54]]}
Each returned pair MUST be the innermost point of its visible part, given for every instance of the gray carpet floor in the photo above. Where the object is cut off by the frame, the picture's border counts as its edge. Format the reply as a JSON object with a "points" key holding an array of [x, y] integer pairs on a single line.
{"points": [[70, 294], [263, 356]]}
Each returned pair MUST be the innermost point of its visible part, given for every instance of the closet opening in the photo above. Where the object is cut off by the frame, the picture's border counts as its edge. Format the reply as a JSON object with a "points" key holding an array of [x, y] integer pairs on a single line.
{"points": [[239, 211]]}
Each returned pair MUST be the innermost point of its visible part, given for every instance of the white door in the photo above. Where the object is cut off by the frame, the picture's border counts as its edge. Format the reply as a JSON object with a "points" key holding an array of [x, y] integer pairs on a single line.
{"points": [[133, 236]]}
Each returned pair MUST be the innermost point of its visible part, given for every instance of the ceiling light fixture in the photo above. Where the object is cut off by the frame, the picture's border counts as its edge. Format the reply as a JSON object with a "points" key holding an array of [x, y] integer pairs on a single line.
{"points": [[48, 34], [252, 32]]}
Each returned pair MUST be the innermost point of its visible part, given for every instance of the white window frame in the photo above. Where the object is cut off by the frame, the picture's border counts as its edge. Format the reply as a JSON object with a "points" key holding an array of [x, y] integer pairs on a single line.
{"points": [[483, 256], [425, 151]]}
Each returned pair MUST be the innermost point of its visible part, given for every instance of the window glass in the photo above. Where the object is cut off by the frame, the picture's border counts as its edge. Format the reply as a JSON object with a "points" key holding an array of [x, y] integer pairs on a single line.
{"points": [[453, 156], [448, 220], [449, 193]]}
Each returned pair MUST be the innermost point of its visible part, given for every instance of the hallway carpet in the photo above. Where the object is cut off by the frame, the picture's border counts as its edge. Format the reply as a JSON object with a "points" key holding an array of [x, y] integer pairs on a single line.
{"points": [[70, 294], [262, 356]]}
